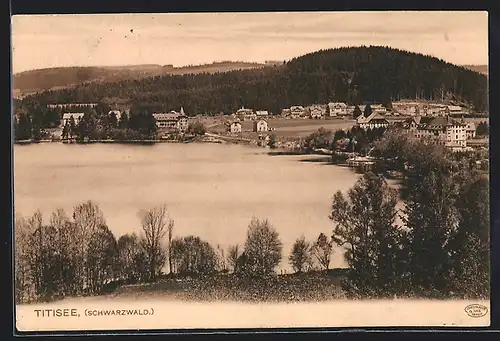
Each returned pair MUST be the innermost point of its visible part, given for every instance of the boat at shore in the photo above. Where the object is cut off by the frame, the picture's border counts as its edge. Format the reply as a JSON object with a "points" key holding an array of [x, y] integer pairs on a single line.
{"points": [[361, 161]]}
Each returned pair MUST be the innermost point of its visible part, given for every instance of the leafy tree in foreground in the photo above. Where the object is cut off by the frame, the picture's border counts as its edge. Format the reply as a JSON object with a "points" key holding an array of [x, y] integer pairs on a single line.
{"points": [[470, 242], [322, 250], [23, 128], [191, 255], [482, 129], [130, 256], [262, 247], [300, 256], [196, 128], [365, 228], [322, 138], [272, 141]]}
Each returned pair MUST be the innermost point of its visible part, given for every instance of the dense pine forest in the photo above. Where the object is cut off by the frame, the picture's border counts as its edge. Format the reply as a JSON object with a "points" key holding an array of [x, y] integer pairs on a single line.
{"points": [[352, 74]]}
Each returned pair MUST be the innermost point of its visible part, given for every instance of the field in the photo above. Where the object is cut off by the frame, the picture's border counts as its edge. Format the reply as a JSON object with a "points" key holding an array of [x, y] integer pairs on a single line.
{"points": [[291, 128]]}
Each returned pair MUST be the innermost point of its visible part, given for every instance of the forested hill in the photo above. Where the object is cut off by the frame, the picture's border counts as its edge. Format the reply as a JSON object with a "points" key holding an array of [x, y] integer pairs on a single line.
{"points": [[56, 78], [352, 74]]}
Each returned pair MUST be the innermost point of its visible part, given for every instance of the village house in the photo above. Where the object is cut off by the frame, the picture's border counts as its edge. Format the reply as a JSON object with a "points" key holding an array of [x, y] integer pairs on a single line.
{"points": [[172, 121], [443, 130], [245, 114], [455, 111], [286, 113], [260, 125], [261, 114], [375, 120], [379, 109], [337, 109], [66, 117], [405, 108], [234, 127], [297, 111], [316, 112]]}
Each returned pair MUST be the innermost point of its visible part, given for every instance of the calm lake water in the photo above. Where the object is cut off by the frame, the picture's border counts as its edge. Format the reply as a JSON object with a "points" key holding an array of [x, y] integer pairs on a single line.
{"points": [[212, 191]]}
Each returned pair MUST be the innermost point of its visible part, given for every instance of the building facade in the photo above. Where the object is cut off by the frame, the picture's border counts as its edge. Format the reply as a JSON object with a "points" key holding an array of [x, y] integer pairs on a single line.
{"points": [[245, 114], [66, 117], [260, 125], [374, 121], [337, 109], [443, 130], [316, 112], [297, 111], [171, 121], [470, 130], [234, 127], [261, 114]]}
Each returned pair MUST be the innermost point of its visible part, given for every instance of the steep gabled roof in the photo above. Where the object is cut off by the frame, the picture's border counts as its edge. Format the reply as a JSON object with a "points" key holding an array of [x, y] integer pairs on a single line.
{"points": [[68, 115]]}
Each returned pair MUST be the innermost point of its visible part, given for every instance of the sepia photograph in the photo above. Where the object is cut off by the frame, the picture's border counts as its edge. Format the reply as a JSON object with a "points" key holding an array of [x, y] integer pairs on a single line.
{"points": [[177, 171]]}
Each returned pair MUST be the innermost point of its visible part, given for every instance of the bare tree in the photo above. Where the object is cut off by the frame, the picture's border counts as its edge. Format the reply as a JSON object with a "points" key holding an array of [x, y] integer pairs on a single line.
{"points": [[66, 242], [155, 222], [232, 256], [87, 217], [299, 256], [23, 282], [322, 250], [170, 229], [221, 259]]}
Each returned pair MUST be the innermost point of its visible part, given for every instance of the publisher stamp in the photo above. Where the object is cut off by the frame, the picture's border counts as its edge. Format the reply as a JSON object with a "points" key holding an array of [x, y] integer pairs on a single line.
{"points": [[476, 310]]}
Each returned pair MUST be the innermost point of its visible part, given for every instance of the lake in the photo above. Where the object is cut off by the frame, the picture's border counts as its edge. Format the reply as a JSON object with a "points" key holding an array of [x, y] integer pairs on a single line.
{"points": [[211, 190]]}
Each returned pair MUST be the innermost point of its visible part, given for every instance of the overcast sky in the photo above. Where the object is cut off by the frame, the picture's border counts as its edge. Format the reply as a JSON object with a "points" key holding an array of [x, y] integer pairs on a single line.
{"points": [[182, 39]]}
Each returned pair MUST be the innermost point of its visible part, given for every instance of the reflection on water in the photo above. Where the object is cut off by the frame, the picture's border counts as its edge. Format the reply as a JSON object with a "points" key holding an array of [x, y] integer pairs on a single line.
{"points": [[212, 190]]}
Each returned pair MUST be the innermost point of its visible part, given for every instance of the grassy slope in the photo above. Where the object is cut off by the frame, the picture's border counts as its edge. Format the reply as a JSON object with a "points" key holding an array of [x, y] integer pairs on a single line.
{"points": [[312, 286], [478, 68], [56, 78]]}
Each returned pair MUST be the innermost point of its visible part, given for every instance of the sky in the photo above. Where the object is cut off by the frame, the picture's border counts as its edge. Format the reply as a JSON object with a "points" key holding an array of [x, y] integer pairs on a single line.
{"points": [[44, 41]]}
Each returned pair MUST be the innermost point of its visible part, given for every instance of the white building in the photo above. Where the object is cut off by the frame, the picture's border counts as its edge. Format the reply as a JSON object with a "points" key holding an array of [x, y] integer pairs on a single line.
{"points": [[316, 112], [286, 113], [470, 130], [66, 118], [260, 125], [297, 111], [245, 114], [172, 121], [379, 109], [261, 113], [234, 127], [337, 109], [375, 120], [443, 130]]}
